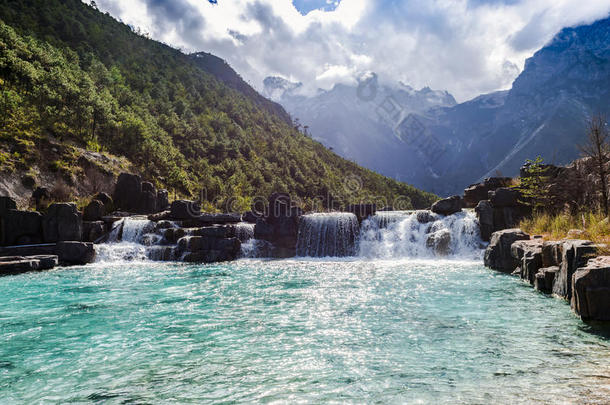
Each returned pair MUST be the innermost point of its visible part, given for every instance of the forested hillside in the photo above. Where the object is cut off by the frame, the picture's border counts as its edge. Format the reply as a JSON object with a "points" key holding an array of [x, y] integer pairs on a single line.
{"points": [[73, 74]]}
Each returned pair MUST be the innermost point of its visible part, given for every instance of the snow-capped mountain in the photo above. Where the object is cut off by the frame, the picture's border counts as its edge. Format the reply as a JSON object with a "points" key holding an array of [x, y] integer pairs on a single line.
{"points": [[544, 113], [352, 122]]}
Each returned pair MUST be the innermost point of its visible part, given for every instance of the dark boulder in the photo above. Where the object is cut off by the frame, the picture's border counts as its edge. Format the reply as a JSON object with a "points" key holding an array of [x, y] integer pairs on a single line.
{"points": [[203, 249], [69, 253], [28, 181], [509, 217], [551, 253], [362, 211], [46, 262], [575, 254], [263, 230], [94, 211], [62, 222], [480, 191], [498, 254], [505, 197], [212, 219], [591, 290], [545, 278], [425, 216], [185, 209], [75, 253], [448, 206], [281, 226], [440, 242], [92, 231], [6, 204], [162, 200], [160, 216], [21, 228], [127, 192], [226, 231], [485, 215], [173, 235], [148, 202], [528, 253]]}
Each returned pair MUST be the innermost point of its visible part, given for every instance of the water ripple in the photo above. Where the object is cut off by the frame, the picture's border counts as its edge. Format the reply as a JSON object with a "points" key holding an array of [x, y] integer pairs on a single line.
{"points": [[293, 331]]}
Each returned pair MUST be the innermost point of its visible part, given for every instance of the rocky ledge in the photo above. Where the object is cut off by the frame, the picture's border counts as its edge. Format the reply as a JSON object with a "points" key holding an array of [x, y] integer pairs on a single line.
{"points": [[568, 269]]}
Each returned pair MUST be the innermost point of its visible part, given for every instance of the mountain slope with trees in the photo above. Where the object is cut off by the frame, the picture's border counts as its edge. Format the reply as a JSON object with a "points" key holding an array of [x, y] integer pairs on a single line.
{"points": [[75, 76]]}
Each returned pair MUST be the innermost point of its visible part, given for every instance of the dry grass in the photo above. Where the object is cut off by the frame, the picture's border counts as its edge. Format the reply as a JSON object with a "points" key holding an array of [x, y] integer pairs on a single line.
{"points": [[594, 226]]}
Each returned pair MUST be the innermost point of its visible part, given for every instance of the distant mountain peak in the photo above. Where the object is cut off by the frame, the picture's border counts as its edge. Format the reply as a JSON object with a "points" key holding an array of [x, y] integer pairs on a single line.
{"points": [[276, 87]]}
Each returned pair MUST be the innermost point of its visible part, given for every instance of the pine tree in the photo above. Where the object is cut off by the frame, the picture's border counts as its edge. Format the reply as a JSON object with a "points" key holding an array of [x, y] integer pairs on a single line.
{"points": [[534, 185]]}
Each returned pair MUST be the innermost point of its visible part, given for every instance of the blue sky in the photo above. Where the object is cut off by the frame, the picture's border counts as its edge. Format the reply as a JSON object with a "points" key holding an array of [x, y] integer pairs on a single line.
{"points": [[468, 47], [305, 6]]}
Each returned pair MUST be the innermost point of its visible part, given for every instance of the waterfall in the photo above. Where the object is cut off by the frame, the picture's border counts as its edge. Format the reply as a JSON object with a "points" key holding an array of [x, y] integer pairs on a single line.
{"points": [[327, 235], [403, 234], [133, 239], [251, 248], [244, 231]]}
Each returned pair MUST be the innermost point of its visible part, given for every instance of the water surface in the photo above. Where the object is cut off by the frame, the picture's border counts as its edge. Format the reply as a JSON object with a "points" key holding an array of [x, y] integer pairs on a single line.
{"points": [[293, 331]]}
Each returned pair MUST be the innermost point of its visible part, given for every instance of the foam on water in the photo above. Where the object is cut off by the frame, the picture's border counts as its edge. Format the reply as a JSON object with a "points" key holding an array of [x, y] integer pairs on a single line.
{"points": [[133, 240], [408, 234]]}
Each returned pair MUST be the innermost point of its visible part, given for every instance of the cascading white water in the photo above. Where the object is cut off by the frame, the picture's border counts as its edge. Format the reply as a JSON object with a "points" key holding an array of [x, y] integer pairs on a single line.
{"points": [[244, 231], [403, 234], [250, 247], [328, 235], [132, 240]]}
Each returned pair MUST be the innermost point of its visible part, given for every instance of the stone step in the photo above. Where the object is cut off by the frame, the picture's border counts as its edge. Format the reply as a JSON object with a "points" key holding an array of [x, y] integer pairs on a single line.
{"points": [[10, 265]]}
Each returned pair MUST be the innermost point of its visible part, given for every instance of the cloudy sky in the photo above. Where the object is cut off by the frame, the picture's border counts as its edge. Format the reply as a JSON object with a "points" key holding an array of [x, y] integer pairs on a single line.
{"points": [[467, 47]]}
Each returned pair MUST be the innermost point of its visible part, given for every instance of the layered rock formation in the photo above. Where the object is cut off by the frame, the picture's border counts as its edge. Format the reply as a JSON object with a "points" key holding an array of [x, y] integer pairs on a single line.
{"points": [[567, 269]]}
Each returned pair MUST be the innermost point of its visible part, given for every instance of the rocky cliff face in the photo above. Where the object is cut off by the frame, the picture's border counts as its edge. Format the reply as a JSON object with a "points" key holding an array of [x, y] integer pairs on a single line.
{"points": [[545, 113]]}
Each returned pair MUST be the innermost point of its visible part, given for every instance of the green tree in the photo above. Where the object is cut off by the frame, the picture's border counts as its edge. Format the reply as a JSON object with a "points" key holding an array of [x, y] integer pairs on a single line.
{"points": [[534, 185]]}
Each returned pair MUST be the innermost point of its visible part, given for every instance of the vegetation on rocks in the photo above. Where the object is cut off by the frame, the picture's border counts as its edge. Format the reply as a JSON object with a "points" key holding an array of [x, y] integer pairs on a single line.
{"points": [[74, 77]]}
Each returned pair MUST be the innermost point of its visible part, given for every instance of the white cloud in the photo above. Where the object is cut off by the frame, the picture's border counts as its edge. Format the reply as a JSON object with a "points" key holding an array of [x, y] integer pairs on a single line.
{"points": [[465, 46]]}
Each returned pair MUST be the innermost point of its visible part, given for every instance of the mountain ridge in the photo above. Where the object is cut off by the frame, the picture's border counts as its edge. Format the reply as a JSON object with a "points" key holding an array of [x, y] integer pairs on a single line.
{"points": [[544, 113], [72, 73]]}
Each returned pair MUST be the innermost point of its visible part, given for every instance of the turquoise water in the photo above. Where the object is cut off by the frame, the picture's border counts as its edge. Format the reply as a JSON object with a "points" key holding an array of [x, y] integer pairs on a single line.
{"points": [[293, 331]]}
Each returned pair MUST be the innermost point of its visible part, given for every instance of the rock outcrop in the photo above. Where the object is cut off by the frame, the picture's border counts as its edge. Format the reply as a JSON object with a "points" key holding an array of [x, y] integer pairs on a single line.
{"points": [[280, 226], [502, 210], [476, 193], [10, 265], [94, 211], [591, 291], [575, 254], [69, 253], [184, 209], [213, 247], [93, 231], [545, 278], [440, 242], [138, 197], [62, 222], [448, 206], [498, 255], [20, 227]]}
